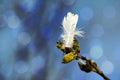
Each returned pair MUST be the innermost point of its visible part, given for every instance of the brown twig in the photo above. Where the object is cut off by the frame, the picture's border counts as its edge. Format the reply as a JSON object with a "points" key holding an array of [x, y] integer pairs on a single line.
{"points": [[73, 53], [97, 70]]}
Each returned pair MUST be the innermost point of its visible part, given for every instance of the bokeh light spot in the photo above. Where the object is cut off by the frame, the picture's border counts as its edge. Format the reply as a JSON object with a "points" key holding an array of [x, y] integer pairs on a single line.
{"points": [[109, 12], [13, 22], [107, 67], [28, 5], [86, 13], [96, 52], [24, 38], [37, 63], [21, 67], [12, 19]]}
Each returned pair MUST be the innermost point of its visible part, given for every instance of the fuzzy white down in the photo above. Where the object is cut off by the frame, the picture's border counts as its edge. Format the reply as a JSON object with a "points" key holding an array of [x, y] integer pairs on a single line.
{"points": [[69, 29]]}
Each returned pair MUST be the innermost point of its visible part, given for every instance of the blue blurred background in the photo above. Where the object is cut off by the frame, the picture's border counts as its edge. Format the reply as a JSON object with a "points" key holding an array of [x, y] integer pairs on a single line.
{"points": [[29, 30]]}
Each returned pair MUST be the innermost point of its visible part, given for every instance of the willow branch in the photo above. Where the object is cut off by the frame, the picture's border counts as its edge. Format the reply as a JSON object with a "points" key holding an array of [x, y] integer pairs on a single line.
{"points": [[73, 53], [96, 69]]}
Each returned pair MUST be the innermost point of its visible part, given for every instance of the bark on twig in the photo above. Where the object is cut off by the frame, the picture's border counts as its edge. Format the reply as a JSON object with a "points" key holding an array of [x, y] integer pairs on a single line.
{"points": [[74, 53], [97, 70]]}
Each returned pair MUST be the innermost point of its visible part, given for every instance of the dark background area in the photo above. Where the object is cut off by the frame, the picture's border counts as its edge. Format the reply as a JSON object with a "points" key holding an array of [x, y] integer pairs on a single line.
{"points": [[29, 30]]}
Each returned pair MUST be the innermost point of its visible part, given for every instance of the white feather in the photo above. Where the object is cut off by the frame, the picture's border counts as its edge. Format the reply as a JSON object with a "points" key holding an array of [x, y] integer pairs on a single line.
{"points": [[69, 29]]}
